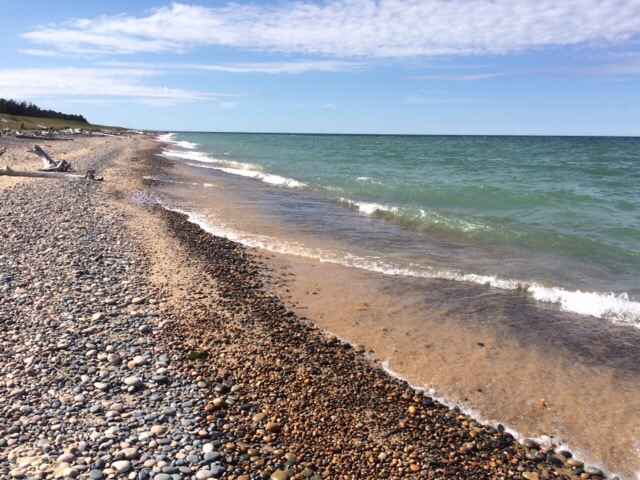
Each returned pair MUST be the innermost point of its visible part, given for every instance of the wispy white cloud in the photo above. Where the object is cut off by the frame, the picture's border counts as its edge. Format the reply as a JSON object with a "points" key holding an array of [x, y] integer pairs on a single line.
{"points": [[227, 105], [356, 28], [96, 83], [42, 53], [426, 99], [292, 67], [308, 105], [281, 67], [461, 77]]}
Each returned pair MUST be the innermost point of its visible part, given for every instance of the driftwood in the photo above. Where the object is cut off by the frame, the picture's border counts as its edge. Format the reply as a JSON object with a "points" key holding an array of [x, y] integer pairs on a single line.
{"points": [[41, 137], [51, 169], [90, 175], [48, 164]]}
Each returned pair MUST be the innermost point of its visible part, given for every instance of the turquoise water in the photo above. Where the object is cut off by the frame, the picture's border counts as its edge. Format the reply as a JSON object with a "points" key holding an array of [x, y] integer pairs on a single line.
{"points": [[557, 217]]}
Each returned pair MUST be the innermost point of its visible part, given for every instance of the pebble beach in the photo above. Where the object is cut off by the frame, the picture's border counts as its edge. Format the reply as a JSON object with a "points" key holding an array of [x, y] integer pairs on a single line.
{"points": [[135, 345]]}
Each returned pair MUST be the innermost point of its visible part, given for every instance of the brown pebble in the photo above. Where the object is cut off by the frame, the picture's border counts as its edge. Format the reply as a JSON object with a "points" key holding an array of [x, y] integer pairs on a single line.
{"points": [[273, 427], [258, 417], [279, 475]]}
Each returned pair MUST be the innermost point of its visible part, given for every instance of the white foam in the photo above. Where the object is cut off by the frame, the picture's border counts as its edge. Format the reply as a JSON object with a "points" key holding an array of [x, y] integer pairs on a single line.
{"points": [[255, 241], [165, 137], [453, 223], [368, 180], [369, 207], [169, 138], [247, 170], [197, 156], [615, 307], [265, 177]]}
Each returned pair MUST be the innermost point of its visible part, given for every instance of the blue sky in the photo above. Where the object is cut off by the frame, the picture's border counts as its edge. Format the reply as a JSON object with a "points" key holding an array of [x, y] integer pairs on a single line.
{"points": [[569, 67]]}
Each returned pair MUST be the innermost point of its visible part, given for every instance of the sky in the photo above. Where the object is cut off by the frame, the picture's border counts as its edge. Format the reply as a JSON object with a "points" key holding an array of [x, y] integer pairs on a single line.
{"points": [[481, 67]]}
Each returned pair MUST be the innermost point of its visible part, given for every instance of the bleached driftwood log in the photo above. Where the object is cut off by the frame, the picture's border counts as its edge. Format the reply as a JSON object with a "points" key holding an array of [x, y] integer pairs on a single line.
{"points": [[48, 164], [90, 175], [51, 169]]}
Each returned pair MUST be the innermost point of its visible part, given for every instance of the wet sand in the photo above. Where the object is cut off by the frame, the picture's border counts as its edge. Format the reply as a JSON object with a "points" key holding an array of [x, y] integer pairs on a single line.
{"points": [[506, 370]]}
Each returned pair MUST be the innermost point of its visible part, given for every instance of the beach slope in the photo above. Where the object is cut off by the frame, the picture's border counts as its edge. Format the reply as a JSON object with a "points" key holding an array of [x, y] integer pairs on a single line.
{"points": [[136, 345]]}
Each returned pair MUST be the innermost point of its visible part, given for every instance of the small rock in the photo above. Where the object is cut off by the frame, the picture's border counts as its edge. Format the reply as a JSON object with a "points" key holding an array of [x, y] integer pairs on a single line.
{"points": [[272, 427], [572, 462], [279, 475], [18, 473], [204, 474], [114, 359], [130, 453], [207, 448], [133, 381], [122, 465], [593, 471], [67, 457]]}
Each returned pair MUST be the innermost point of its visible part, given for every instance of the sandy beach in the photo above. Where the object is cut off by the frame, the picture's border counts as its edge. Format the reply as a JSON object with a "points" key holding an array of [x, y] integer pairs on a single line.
{"points": [[135, 345]]}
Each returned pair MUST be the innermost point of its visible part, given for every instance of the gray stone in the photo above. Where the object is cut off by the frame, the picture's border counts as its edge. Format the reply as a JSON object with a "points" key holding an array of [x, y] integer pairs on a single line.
{"points": [[160, 379], [593, 471], [212, 457], [96, 474], [67, 457], [218, 470]]}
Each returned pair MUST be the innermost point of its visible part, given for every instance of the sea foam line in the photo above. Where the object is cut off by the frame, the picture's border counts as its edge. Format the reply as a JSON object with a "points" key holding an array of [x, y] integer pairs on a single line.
{"points": [[169, 138], [246, 170], [415, 214], [616, 308]]}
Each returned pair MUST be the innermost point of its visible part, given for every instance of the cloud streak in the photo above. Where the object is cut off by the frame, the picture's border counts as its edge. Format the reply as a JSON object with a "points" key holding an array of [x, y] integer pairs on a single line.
{"points": [[271, 68], [96, 82], [461, 77], [355, 28]]}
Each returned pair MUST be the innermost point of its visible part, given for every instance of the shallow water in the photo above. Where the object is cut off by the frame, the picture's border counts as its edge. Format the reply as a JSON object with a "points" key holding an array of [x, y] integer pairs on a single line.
{"points": [[488, 322]]}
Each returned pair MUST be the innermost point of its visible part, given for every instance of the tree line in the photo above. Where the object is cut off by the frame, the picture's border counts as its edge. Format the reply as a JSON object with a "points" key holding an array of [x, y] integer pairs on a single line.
{"points": [[12, 107]]}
